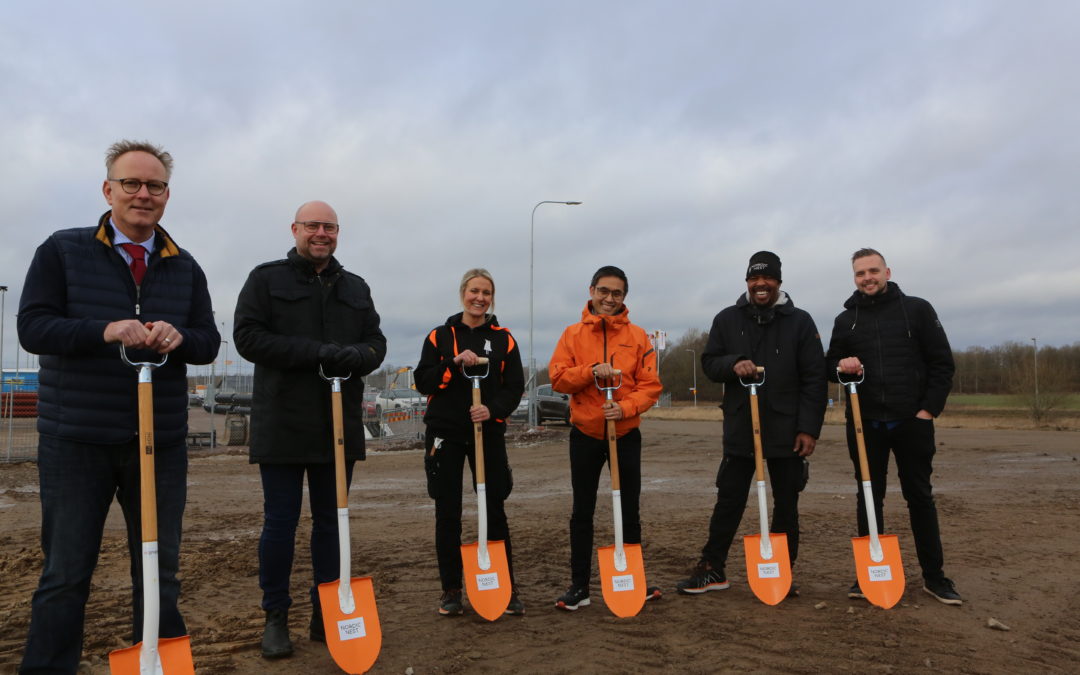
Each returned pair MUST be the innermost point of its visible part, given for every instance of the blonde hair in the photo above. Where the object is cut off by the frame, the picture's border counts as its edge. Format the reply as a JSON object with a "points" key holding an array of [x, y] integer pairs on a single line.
{"points": [[469, 276]]}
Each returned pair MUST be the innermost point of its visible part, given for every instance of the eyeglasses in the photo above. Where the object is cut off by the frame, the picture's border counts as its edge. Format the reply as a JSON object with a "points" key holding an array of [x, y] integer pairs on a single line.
{"points": [[603, 292], [312, 226], [132, 185]]}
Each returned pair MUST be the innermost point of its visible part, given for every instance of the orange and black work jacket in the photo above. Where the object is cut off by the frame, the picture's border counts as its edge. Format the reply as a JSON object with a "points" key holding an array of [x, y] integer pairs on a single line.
{"points": [[611, 339], [449, 392]]}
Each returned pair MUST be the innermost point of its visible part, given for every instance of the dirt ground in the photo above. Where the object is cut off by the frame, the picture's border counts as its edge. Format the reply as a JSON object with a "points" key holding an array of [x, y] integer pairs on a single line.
{"points": [[1009, 504]]}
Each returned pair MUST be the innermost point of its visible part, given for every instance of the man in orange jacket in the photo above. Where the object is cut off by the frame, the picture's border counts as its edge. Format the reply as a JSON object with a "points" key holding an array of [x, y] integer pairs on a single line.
{"points": [[603, 342]]}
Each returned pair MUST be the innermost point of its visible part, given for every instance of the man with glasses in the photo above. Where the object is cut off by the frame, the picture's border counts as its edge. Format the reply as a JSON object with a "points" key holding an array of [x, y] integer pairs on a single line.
{"points": [[88, 291], [603, 342], [294, 318], [762, 329]]}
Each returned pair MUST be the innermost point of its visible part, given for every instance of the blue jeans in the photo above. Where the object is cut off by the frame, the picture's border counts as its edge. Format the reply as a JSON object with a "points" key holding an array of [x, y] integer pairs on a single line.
{"points": [[283, 494], [78, 482]]}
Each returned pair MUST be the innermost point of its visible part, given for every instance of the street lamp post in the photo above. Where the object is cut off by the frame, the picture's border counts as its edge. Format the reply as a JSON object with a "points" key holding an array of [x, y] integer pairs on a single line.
{"points": [[1035, 342], [693, 366], [532, 360]]}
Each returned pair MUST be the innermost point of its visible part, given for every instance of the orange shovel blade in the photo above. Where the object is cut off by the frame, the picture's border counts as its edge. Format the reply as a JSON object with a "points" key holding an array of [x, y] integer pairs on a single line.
{"points": [[882, 582], [354, 639], [770, 579], [488, 590], [624, 590], [175, 655]]}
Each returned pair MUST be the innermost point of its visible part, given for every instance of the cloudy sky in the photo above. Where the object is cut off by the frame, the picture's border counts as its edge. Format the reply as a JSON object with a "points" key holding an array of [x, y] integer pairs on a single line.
{"points": [[942, 133]]}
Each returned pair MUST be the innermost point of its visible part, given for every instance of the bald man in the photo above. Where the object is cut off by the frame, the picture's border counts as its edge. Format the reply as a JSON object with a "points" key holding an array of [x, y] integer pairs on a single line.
{"points": [[293, 316]]}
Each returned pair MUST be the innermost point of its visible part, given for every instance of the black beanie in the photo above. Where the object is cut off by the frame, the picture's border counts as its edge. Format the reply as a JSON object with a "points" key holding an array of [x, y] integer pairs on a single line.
{"points": [[764, 264]]}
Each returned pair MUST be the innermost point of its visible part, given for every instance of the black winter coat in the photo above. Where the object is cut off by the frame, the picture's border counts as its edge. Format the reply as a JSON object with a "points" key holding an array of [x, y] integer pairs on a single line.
{"points": [[450, 393], [792, 399], [76, 285], [284, 314], [906, 356]]}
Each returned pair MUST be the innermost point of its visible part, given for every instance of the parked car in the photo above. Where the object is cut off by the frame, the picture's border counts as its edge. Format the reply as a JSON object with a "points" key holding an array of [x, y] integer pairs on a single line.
{"points": [[370, 409], [399, 399], [550, 405]]}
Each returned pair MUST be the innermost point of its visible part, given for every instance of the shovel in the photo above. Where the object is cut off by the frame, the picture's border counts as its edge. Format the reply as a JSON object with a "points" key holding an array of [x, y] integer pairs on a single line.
{"points": [[768, 565], [622, 571], [350, 618], [877, 556], [154, 655], [487, 573]]}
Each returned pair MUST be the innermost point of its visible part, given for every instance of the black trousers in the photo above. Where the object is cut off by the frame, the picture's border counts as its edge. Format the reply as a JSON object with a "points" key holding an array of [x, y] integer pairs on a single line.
{"points": [[733, 481], [912, 443], [444, 482], [587, 458]]}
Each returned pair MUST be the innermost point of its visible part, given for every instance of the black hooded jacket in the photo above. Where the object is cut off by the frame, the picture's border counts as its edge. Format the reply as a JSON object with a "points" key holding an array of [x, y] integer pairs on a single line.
{"points": [[904, 351], [450, 392], [786, 342]]}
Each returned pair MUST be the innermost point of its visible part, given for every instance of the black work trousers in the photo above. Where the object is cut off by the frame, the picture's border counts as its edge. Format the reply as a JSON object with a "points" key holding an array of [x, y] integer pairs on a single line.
{"points": [[587, 458], [912, 443], [446, 488], [733, 480]]}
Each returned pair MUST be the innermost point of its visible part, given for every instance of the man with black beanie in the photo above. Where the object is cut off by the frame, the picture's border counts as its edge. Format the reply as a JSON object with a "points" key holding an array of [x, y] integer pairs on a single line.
{"points": [[763, 328]]}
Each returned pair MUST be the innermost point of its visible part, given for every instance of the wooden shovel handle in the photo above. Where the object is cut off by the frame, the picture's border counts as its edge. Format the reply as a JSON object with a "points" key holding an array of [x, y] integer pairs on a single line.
{"points": [[613, 454], [339, 449], [860, 440], [478, 440], [148, 491], [755, 419]]}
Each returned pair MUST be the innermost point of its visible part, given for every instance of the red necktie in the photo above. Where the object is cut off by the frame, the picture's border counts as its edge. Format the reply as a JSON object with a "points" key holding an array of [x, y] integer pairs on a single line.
{"points": [[138, 261]]}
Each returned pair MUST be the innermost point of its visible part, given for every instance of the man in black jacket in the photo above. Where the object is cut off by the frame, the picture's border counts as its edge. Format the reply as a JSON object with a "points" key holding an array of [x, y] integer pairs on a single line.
{"points": [[88, 291], [293, 316], [909, 369], [763, 328]]}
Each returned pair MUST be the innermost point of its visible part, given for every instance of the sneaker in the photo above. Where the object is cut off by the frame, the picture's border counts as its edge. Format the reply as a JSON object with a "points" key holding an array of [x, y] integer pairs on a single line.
{"points": [[943, 590], [653, 593], [516, 607], [450, 603], [574, 597], [793, 592], [703, 579], [855, 592]]}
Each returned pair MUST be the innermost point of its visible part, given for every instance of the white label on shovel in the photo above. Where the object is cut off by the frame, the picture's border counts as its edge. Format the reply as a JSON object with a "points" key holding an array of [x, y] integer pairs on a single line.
{"points": [[879, 572], [351, 629], [487, 582], [768, 570], [622, 582]]}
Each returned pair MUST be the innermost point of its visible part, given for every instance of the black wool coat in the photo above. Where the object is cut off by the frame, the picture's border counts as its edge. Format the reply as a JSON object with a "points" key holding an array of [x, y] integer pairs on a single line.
{"points": [[284, 314]]}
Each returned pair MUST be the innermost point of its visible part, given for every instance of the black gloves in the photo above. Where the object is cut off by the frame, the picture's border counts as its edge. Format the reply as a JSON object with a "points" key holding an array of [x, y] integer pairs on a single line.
{"points": [[349, 358], [338, 360]]}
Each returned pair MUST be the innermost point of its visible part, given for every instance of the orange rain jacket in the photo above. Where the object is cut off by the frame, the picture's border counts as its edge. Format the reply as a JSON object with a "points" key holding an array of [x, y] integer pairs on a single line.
{"points": [[612, 339]]}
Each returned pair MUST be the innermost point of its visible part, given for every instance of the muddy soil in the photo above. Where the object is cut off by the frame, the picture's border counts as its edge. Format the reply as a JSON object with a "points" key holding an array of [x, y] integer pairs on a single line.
{"points": [[1009, 504]]}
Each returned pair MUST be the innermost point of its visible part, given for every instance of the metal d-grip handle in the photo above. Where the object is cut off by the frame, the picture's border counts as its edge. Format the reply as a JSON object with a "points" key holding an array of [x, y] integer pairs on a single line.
{"points": [[142, 364], [850, 384], [756, 383], [480, 361], [615, 383]]}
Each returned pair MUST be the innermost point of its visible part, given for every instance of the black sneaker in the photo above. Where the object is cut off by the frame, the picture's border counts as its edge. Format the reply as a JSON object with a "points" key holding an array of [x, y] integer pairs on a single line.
{"points": [[943, 590], [450, 603], [653, 593], [702, 580], [515, 607], [855, 592], [793, 592], [574, 597]]}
